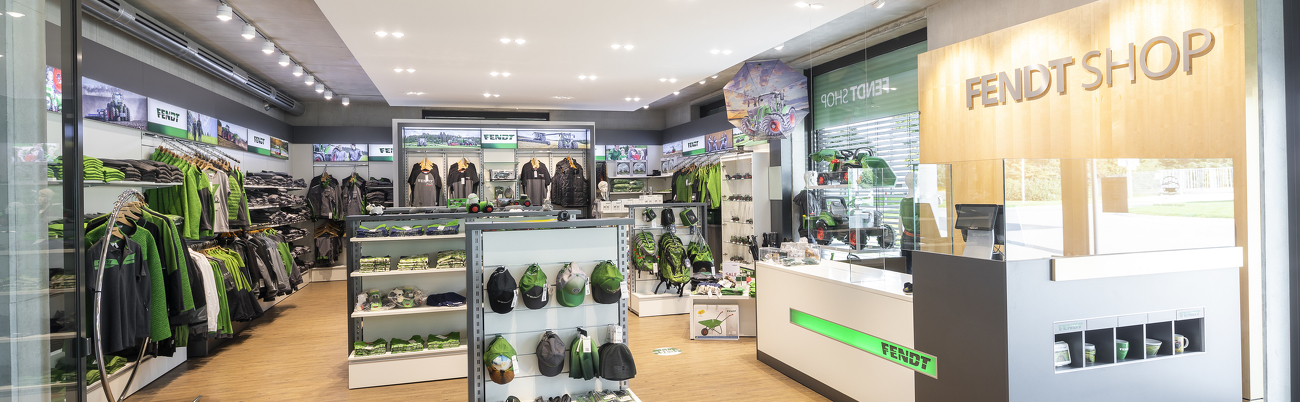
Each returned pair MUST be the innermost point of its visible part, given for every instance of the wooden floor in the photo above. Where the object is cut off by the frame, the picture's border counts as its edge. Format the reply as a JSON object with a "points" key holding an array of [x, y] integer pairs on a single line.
{"points": [[297, 353]]}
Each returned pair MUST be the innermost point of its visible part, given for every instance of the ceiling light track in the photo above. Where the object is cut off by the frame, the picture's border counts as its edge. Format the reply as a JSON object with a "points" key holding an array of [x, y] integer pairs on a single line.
{"points": [[126, 18], [226, 13]]}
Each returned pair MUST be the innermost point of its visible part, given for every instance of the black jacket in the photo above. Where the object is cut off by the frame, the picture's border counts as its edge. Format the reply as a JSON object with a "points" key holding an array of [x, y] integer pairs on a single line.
{"points": [[569, 186], [533, 182], [353, 195], [325, 198]]}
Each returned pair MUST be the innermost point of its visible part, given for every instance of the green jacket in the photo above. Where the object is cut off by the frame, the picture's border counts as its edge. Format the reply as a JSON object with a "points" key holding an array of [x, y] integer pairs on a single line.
{"points": [[159, 325]]}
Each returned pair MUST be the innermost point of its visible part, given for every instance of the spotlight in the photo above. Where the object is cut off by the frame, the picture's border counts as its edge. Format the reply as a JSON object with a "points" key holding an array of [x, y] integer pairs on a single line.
{"points": [[297, 71], [505, 40], [346, 101], [320, 88], [663, 79], [284, 60], [268, 47], [329, 95], [309, 80], [398, 34], [487, 95], [520, 41], [615, 47], [381, 33], [410, 70], [505, 74], [627, 99], [677, 93], [782, 46], [494, 73], [636, 99], [249, 31], [224, 12], [397, 70], [628, 47], [672, 80]]}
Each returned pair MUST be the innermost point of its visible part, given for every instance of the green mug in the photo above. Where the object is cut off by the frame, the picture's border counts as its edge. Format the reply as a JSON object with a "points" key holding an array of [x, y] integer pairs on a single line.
{"points": [[1090, 353], [1121, 349]]}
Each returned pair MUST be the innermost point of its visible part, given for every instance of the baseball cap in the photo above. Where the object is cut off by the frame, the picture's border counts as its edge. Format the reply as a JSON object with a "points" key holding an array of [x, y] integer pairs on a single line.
{"points": [[500, 361], [550, 355], [606, 283], [533, 286], [570, 286], [501, 291]]}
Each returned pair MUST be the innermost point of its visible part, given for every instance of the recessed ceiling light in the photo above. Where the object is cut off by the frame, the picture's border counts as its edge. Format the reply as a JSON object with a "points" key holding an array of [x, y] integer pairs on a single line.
{"points": [[249, 31], [645, 107], [715, 51], [816, 6], [582, 77], [398, 34], [284, 60], [320, 88], [505, 74], [591, 77], [615, 46], [802, 4], [415, 93], [410, 70], [663, 79], [627, 99], [505, 40], [782, 46], [496, 95], [297, 71], [268, 47], [397, 70], [520, 41], [726, 52], [494, 73], [677, 93], [224, 12], [628, 47], [487, 95], [672, 80], [562, 97], [636, 99], [329, 95], [381, 33]]}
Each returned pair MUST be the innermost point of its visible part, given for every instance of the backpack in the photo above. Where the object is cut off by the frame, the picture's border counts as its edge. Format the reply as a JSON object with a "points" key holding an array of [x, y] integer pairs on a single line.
{"points": [[700, 256], [673, 269], [644, 254]]}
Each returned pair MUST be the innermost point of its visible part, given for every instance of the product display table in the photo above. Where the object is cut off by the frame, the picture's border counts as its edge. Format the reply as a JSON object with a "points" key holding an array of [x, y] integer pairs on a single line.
{"points": [[853, 304]]}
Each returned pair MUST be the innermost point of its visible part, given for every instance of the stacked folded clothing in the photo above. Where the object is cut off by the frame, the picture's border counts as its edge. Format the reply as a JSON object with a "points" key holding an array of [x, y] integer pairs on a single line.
{"points": [[378, 347], [451, 340], [127, 170], [93, 168], [449, 299], [447, 228], [413, 263], [379, 191], [278, 217], [415, 344], [374, 264], [271, 197], [405, 231], [273, 179], [449, 259], [299, 183], [56, 229], [300, 250], [111, 175], [293, 234], [377, 231]]}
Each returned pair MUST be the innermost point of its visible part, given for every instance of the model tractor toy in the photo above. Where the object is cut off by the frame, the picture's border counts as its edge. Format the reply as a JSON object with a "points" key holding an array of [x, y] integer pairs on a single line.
{"points": [[861, 158], [834, 222]]}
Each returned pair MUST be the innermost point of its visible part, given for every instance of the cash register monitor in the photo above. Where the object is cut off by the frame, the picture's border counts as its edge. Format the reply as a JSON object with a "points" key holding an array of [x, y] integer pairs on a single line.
{"points": [[987, 222]]}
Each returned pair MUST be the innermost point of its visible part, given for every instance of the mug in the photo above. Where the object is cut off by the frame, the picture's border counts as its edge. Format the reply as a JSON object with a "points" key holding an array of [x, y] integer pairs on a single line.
{"points": [[1061, 354], [1121, 349], [1180, 343], [1090, 353], [1153, 347]]}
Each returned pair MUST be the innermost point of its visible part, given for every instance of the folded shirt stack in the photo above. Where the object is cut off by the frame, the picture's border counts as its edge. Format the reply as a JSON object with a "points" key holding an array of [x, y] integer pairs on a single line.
{"points": [[405, 231], [415, 344], [112, 175], [377, 231], [374, 264], [413, 263], [128, 170], [93, 168], [449, 259], [451, 340], [378, 347], [445, 228]]}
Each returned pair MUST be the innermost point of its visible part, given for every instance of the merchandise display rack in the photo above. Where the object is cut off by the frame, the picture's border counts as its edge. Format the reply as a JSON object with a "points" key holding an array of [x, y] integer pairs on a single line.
{"points": [[739, 217], [448, 156], [426, 365], [645, 299], [516, 245]]}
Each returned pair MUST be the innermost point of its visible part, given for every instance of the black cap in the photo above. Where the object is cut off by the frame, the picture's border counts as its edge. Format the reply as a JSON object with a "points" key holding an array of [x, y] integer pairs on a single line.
{"points": [[501, 291], [550, 355]]}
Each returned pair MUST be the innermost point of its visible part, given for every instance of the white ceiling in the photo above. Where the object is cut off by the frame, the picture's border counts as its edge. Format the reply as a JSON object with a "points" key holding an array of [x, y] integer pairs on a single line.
{"points": [[453, 46]]}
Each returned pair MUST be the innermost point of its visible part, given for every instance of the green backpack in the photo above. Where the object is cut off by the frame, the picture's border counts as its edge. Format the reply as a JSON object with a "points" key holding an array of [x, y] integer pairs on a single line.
{"points": [[700, 255], [673, 269], [644, 254]]}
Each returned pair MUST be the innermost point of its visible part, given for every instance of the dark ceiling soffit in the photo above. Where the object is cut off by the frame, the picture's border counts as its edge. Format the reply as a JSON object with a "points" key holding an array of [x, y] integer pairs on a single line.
{"points": [[126, 18], [905, 40], [481, 115]]}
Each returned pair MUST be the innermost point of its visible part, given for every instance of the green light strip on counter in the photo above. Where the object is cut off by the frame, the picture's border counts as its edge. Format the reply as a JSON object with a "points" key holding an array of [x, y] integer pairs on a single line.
{"points": [[906, 357]]}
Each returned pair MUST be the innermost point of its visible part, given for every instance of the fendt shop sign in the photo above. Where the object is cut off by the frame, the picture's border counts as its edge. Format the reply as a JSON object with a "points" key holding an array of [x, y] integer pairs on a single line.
{"points": [[1033, 81]]}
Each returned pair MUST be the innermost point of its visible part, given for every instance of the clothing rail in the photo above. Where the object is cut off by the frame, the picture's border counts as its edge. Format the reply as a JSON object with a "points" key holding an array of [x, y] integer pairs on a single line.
{"points": [[188, 143], [98, 343]]}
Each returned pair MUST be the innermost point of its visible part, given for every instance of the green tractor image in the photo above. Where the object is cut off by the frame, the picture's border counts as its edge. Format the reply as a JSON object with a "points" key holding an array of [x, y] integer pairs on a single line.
{"points": [[879, 174], [835, 222], [768, 116]]}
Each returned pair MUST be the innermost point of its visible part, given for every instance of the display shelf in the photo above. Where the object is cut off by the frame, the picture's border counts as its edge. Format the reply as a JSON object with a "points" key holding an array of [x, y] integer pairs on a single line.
{"points": [[736, 223], [723, 297], [413, 272], [829, 187], [462, 349], [145, 185], [274, 225], [41, 337], [277, 206], [275, 188], [406, 311], [406, 238]]}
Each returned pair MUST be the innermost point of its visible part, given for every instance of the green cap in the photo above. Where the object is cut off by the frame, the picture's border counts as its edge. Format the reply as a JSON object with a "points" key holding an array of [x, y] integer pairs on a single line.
{"points": [[499, 360], [606, 283], [571, 286], [533, 287]]}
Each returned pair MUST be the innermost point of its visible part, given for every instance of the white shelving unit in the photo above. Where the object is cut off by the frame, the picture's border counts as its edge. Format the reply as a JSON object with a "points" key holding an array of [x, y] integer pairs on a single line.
{"points": [[648, 299], [405, 238], [741, 218], [392, 273]]}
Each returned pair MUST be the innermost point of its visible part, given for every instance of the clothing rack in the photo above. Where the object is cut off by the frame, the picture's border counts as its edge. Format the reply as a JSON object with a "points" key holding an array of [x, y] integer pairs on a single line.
{"points": [[194, 146]]}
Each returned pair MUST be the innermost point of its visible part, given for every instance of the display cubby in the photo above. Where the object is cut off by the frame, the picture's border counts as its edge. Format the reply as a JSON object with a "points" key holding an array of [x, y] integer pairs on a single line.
{"points": [[1103, 333], [648, 298], [367, 326]]}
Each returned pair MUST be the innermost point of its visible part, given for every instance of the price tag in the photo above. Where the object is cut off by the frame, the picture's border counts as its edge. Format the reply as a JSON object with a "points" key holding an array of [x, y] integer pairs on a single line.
{"points": [[654, 268], [623, 288], [588, 288], [545, 290], [515, 363], [586, 345], [537, 175], [514, 299], [440, 227]]}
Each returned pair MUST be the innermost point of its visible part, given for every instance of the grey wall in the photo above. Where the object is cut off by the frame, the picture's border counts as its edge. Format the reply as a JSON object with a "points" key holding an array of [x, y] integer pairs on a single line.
{"points": [[152, 73], [954, 21], [960, 315], [698, 127], [341, 135]]}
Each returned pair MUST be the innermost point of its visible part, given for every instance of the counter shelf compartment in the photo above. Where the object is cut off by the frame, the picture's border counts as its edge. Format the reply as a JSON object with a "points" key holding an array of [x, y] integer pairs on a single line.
{"points": [[1194, 330], [1163, 332], [1135, 335], [1075, 341], [1104, 341]]}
